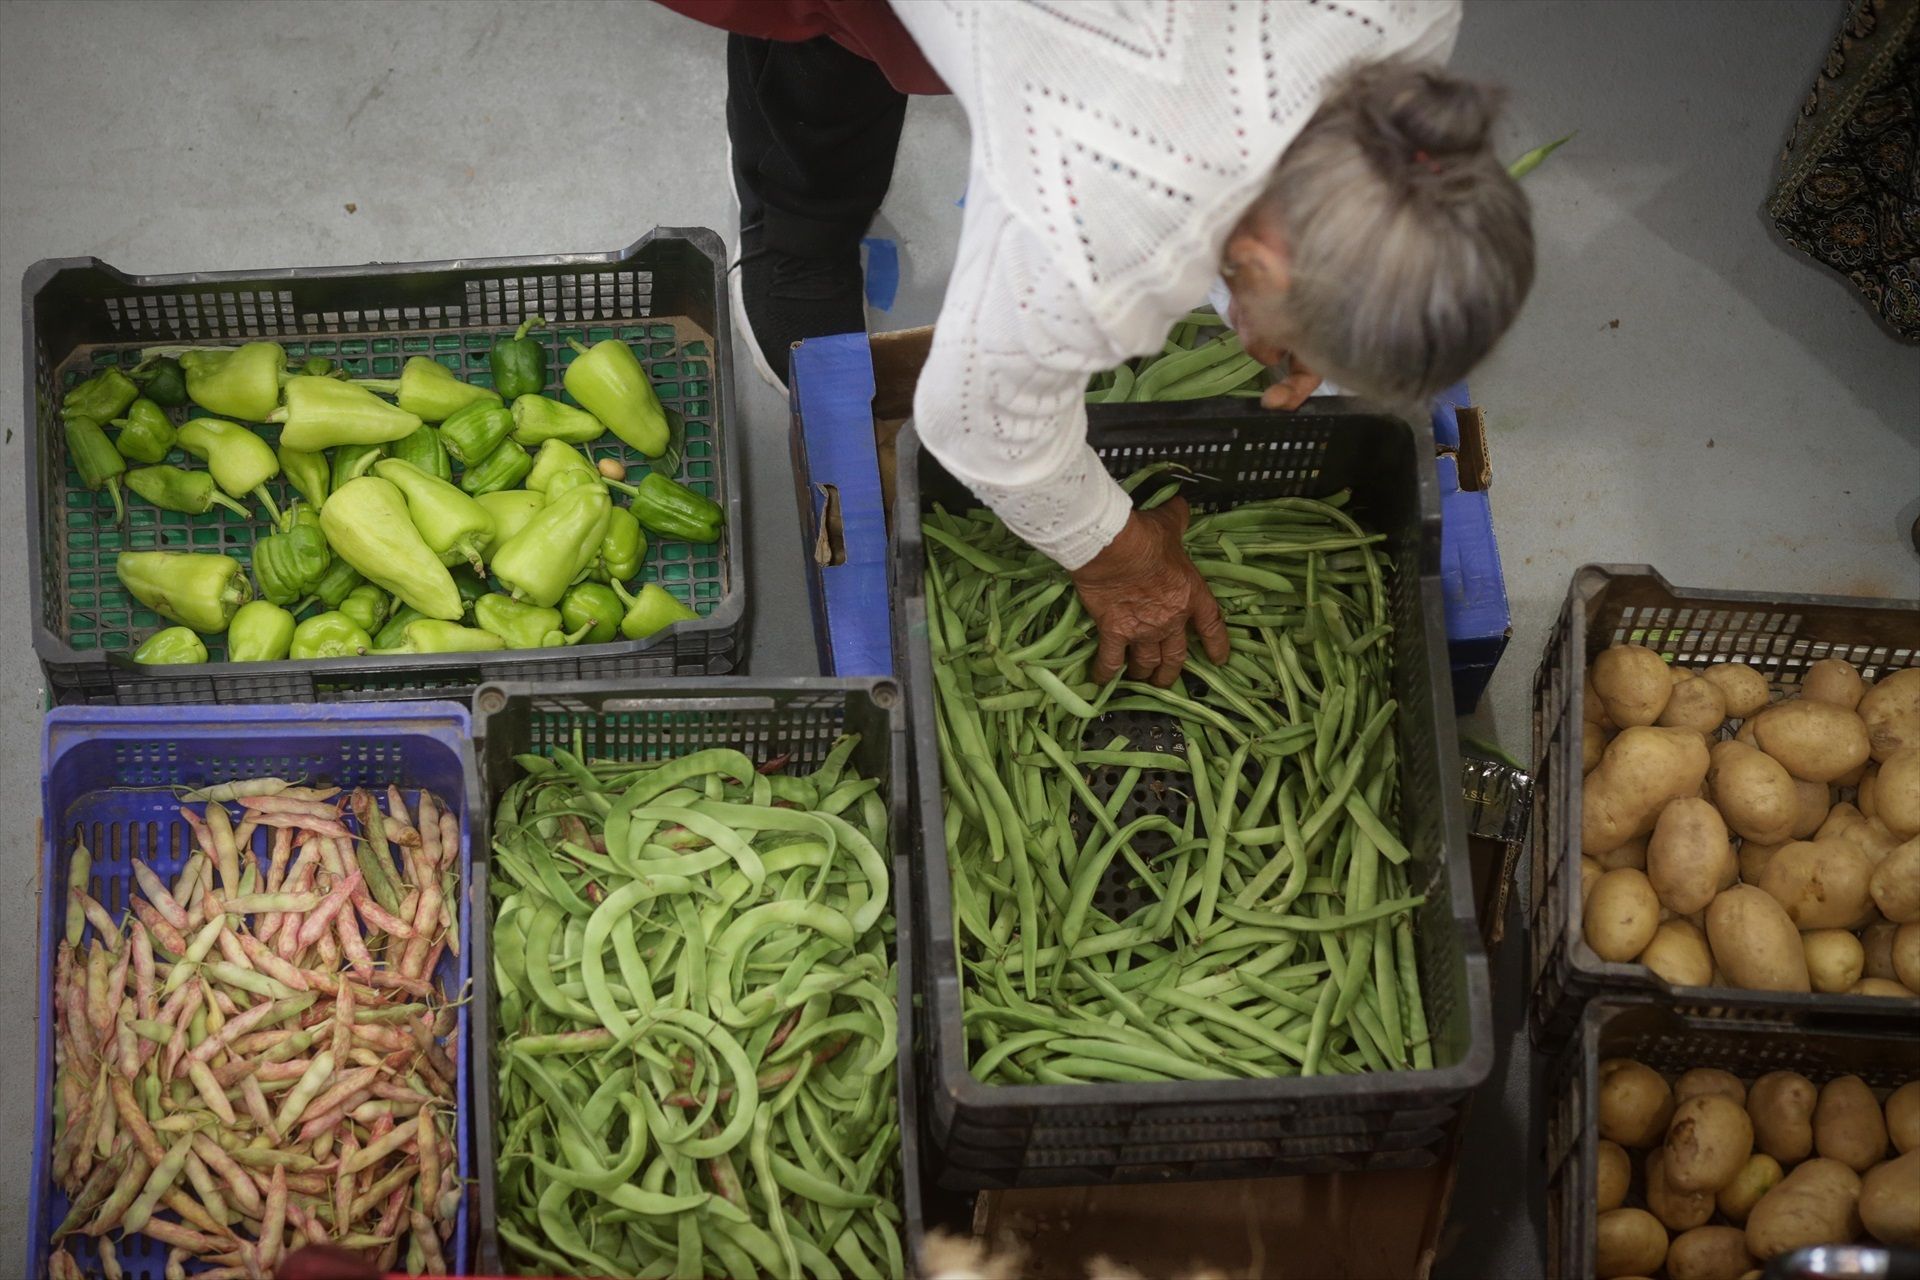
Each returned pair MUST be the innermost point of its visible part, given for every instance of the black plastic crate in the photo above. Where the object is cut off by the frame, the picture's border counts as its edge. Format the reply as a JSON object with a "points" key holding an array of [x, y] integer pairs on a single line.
{"points": [[800, 716], [1778, 635], [665, 295], [996, 1136], [1671, 1042]]}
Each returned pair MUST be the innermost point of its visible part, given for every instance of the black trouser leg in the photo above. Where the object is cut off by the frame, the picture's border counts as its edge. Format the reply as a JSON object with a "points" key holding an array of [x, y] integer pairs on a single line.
{"points": [[814, 129]]}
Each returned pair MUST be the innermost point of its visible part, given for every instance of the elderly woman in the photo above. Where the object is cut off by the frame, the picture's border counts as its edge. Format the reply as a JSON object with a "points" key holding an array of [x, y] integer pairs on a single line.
{"points": [[1311, 153]]}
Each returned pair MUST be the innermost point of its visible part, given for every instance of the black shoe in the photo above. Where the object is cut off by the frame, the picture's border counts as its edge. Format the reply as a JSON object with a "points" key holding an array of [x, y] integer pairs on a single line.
{"points": [[784, 298]]}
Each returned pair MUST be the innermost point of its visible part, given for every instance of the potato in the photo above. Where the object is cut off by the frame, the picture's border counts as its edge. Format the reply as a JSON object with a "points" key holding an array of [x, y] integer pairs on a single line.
{"points": [[1840, 817], [1871, 837], [1835, 959], [1590, 873], [1744, 735], [1863, 790], [1903, 1117], [1628, 1242], [1853, 777], [1641, 769], [1822, 885], [1877, 940], [1633, 683], [1635, 1103], [1757, 1176], [1754, 792], [1817, 1203], [1882, 989], [1848, 1125], [1895, 883], [1704, 1080], [1688, 855], [1744, 689], [1812, 800], [1780, 1104], [1709, 1253], [1833, 681], [1593, 741], [1906, 956], [1708, 1140], [1890, 1202], [1695, 705], [1754, 857], [1679, 954], [1631, 854], [1615, 1170], [1891, 712], [1622, 915], [1896, 793], [1592, 710], [1677, 1210], [1754, 941], [1816, 741]]}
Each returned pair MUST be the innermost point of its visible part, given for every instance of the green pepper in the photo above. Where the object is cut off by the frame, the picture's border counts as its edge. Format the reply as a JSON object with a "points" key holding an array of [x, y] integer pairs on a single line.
{"points": [[162, 381], [537, 419], [558, 458], [318, 367], [504, 468], [367, 524], [471, 587], [290, 564], [476, 431], [451, 523], [424, 450], [195, 590], [351, 461], [95, 460], [622, 550], [430, 389], [171, 646], [510, 509], [519, 363], [430, 635], [146, 433], [667, 507], [652, 610], [103, 397], [366, 604], [176, 489], [610, 383], [308, 473], [234, 382], [241, 461], [522, 625], [322, 412], [260, 632], [338, 583], [562, 539], [391, 636], [329, 635], [594, 606]]}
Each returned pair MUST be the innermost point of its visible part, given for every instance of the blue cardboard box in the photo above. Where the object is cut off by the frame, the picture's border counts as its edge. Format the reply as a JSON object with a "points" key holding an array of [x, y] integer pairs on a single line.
{"points": [[850, 394]]}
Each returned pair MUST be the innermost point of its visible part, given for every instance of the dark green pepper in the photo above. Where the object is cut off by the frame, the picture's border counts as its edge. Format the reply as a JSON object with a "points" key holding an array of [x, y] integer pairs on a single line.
{"points": [[146, 433], [290, 564], [329, 635], [103, 397], [98, 464], [260, 632], [337, 583], [595, 607], [622, 550], [519, 363], [366, 604], [393, 634], [476, 431], [174, 645], [174, 488], [308, 473], [162, 381], [654, 609], [667, 507], [521, 625], [471, 587], [351, 461], [424, 450], [504, 468]]}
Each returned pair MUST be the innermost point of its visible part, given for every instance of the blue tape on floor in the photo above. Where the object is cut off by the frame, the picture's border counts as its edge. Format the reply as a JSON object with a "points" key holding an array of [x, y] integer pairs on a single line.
{"points": [[883, 271]]}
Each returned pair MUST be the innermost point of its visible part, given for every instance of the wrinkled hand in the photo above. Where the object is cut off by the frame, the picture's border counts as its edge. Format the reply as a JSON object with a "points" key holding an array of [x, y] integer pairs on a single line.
{"points": [[1142, 591]]}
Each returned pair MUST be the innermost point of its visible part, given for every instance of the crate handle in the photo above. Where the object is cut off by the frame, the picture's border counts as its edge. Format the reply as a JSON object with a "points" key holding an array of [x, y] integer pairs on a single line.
{"points": [[689, 704]]}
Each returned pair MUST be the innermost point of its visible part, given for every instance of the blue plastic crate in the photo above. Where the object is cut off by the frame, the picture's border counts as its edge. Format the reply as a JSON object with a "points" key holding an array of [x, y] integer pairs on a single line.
{"points": [[112, 775]]}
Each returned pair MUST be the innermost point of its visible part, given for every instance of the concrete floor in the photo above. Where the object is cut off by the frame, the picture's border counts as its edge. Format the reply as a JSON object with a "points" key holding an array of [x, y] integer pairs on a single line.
{"points": [[1682, 389]]}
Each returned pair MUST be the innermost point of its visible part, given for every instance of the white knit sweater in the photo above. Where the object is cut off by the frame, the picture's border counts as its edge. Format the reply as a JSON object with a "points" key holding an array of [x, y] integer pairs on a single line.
{"points": [[1115, 144]]}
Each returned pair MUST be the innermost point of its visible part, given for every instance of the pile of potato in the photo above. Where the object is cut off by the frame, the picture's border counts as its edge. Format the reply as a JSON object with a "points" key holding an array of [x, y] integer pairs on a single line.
{"points": [[1730, 1176], [1741, 861]]}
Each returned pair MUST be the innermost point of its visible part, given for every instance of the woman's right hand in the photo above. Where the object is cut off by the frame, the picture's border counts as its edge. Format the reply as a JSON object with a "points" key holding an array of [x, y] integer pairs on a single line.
{"points": [[1142, 591]]}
